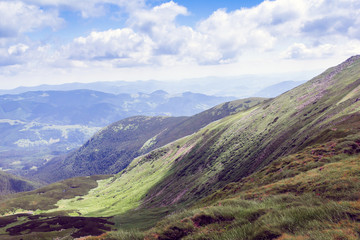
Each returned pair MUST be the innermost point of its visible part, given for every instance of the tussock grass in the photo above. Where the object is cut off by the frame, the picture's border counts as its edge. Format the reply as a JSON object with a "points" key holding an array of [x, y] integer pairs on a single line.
{"points": [[316, 198], [269, 218]]}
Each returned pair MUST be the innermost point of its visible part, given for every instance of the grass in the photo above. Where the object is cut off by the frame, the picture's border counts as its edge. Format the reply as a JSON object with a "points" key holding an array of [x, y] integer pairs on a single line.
{"points": [[124, 192], [313, 194], [46, 197], [285, 215], [269, 218]]}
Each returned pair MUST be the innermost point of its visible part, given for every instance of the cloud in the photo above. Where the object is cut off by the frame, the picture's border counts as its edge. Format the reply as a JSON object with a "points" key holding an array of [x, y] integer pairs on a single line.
{"points": [[301, 51], [18, 49], [159, 18], [123, 45], [18, 17], [301, 29], [153, 37]]}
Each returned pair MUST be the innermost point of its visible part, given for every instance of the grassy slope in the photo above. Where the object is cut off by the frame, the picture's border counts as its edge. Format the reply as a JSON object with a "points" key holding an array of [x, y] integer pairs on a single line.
{"points": [[313, 194], [12, 184], [113, 148], [239, 145], [234, 147]]}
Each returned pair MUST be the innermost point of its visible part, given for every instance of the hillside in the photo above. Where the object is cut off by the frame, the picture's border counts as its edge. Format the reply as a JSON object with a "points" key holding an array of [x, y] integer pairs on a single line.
{"points": [[113, 148], [13, 184], [313, 194], [239, 145], [287, 168]]}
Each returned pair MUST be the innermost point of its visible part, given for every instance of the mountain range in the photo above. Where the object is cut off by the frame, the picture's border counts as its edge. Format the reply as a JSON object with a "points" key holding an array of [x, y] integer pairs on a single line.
{"points": [[94, 108], [240, 87], [37, 126], [282, 168]]}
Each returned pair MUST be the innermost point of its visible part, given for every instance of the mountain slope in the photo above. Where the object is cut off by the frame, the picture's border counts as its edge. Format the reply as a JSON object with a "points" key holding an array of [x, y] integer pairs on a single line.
{"points": [[112, 149], [312, 194], [13, 184], [230, 149], [241, 144]]}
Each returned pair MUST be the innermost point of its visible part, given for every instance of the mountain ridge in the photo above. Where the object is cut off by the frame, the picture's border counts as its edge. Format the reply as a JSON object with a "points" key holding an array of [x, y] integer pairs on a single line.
{"points": [[115, 146]]}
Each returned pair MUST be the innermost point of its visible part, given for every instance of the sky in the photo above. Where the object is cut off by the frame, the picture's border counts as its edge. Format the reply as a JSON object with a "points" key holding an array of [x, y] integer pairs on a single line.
{"points": [[61, 41]]}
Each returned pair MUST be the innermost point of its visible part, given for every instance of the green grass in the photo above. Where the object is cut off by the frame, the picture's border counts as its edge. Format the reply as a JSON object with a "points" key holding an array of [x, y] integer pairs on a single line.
{"points": [[253, 219], [124, 192], [46, 197], [313, 194]]}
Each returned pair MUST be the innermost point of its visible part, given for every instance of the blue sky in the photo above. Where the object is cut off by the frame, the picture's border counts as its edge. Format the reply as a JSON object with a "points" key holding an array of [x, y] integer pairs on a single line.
{"points": [[58, 41], [76, 25]]}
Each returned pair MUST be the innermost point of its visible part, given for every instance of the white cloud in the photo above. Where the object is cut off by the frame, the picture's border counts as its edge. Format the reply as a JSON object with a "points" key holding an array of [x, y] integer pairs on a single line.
{"points": [[284, 30], [301, 51], [122, 45], [18, 17], [300, 29], [18, 49]]}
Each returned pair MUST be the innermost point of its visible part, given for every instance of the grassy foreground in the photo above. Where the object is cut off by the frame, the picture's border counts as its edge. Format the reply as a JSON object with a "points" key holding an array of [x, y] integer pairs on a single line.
{"points": [[313, 194]]}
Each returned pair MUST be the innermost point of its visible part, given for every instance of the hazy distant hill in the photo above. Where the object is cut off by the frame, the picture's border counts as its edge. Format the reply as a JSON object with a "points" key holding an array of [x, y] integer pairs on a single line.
{"points": [[93, 108], [277, 89], [239, 87], [36, 126]]}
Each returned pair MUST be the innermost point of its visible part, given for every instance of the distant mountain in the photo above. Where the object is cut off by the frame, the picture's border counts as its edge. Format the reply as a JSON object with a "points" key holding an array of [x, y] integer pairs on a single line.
{"points": [[24, 146], [277, 89], [37, 126], [240, 87], [112, 148], [93, 108]]}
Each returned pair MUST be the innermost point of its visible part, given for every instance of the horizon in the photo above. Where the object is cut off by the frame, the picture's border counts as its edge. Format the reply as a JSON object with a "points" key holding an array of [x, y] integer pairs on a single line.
{"points": [[58, 42]]}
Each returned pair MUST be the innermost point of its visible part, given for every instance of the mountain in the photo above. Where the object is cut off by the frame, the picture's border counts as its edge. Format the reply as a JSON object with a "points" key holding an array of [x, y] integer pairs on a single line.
{"points": [[94, 108], [13, 184], [277, 89], [37, 126], [113, 148], [239, 86], [24, 146], [287, 168]]}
